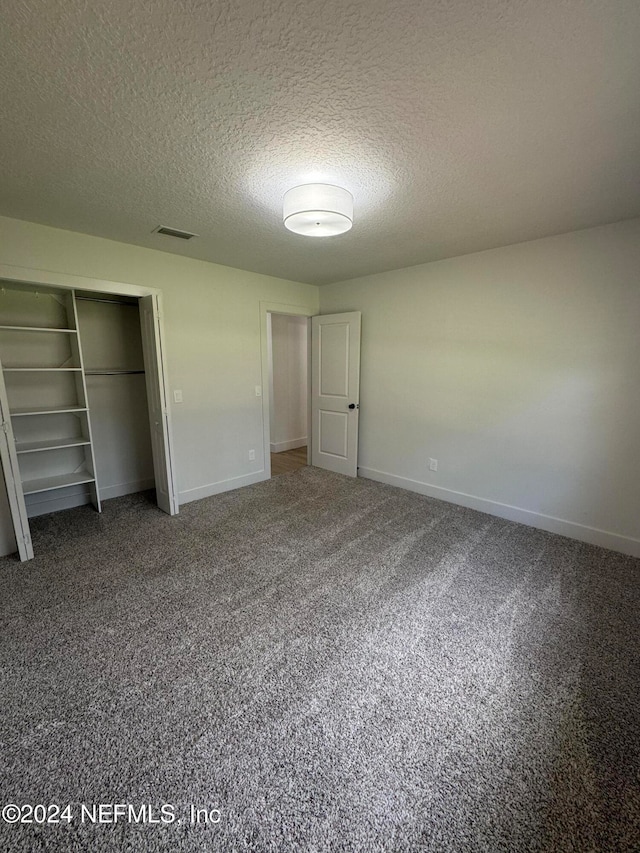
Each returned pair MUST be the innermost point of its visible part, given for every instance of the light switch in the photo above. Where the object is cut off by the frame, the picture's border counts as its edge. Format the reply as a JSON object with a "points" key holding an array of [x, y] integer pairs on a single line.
{"points": [[258, 391], [177, 396]]}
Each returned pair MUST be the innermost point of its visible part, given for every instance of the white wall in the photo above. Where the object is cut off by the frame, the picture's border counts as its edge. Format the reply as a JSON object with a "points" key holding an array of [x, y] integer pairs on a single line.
{"points": [[212, 324], [518, 369], [288, 397]]}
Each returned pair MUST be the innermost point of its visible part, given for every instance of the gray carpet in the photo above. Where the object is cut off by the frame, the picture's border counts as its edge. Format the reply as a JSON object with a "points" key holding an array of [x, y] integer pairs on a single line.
{"points": [[334, 664]]}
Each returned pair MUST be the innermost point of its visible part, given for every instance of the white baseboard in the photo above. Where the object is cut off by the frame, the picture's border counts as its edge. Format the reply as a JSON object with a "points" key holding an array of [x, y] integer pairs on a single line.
{"points": [[210, 489], [281, 446], [44, 505], [591, 535], [121, 489], [47, 502]]}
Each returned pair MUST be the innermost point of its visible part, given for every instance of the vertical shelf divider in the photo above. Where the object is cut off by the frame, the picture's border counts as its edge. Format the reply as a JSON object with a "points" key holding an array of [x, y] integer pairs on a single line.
{"points": [[83, 399]]}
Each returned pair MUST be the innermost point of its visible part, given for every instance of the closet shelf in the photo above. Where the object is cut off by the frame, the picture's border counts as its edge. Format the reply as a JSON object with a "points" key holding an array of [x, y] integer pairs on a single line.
{"points": [[48, 410], [42, 369], [38, 329], [42, 376], [110, 372], [60, 481], [50, 444]]}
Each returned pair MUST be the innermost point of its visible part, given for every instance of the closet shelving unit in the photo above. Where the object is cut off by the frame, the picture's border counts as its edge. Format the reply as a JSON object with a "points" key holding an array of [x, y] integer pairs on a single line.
{"points": [[43, 390]]}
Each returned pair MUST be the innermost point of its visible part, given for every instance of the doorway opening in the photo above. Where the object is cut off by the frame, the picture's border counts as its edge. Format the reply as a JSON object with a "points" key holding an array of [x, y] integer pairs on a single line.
{"points": [[288, 392], [333, 386]]}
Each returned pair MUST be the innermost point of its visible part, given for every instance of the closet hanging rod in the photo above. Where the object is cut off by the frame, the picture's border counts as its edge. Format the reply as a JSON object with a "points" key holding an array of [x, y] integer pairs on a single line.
{"points": [[110, 372], [108, 301]]}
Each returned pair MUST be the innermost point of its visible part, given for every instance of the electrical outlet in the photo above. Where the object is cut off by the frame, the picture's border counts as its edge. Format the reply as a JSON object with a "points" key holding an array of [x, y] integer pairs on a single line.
{"points": [[252, 456], [177, 396], [433, 464]]}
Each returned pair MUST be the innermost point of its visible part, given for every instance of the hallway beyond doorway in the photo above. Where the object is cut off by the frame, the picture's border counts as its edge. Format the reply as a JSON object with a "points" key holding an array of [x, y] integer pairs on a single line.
{"points": [[288, 461]]}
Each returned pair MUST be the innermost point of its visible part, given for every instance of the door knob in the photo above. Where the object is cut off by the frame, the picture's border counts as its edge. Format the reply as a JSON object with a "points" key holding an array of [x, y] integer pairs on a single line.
{"points": [[354, 406]]}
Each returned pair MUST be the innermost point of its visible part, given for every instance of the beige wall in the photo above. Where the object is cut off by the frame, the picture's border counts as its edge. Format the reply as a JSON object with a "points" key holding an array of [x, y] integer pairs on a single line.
{"points": [[212, 325], [518, 369]]}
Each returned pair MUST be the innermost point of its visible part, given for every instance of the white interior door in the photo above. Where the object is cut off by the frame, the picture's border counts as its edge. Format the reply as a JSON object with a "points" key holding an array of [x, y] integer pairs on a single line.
{"points": [[13, 480], [335, 392], [157, 396]]}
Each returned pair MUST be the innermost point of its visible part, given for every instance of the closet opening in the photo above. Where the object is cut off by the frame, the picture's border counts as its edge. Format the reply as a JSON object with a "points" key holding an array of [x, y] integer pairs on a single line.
{"points": [[116, 393], [83, 401]]}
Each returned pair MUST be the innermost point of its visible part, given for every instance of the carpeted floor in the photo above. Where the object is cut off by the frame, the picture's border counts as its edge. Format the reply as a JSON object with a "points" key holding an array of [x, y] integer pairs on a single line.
{"points": [[333, 664]]}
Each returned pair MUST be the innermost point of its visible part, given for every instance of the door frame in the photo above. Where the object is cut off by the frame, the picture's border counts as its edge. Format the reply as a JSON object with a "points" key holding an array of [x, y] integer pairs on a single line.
{"points": [[267, 308], [69, 281]]}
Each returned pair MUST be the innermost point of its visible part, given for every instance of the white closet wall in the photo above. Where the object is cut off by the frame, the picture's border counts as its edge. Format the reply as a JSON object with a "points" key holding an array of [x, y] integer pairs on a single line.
{"points": [[288, 382], [114, 368]]}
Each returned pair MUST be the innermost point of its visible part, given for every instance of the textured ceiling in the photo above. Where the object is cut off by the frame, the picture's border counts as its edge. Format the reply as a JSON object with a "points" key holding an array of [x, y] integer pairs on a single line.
{"points": [[458, 125]]}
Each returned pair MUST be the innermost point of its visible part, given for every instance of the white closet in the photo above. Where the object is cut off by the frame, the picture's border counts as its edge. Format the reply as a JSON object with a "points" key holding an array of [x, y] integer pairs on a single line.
{"points": [[44, 395], [73, 401]]}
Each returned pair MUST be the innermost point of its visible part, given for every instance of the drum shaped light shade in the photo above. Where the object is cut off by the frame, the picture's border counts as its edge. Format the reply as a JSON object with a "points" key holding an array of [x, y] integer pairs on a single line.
{"points": [[318, 210]]}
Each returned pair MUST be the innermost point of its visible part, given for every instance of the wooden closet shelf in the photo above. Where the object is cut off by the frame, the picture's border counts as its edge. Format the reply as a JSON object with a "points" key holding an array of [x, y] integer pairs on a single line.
{"points": [[110, 372], [42, 369], [38, 329], [50, 444], [60, 481], [48, 410]]}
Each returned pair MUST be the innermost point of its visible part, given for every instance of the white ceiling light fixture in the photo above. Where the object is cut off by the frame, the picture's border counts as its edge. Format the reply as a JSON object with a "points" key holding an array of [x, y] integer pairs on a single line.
{"points": [[318, 210]]}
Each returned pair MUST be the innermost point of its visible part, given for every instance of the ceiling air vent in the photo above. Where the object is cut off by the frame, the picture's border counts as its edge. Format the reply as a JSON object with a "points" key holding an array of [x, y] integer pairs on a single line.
{"points": [[173, 232]]}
